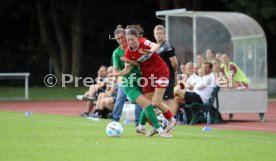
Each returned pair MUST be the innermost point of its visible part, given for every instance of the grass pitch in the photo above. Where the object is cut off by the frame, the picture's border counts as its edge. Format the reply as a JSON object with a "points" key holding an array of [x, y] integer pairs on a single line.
{"points": [[64, 138]]}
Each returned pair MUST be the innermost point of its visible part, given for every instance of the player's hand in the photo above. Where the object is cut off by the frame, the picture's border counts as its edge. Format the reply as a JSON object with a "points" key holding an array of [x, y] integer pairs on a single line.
{"points": [[124, 59]]}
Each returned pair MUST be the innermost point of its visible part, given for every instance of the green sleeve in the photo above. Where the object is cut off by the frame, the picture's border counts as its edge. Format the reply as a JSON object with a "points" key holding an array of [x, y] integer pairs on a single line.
{"points": [[115, 60]]}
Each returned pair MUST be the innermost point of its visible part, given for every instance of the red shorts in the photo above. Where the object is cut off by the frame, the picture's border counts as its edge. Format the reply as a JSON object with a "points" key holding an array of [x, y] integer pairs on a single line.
{"points": [[152, 81]]}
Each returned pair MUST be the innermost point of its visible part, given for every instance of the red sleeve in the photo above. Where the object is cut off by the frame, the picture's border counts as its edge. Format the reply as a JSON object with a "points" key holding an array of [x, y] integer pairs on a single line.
{"points": [[127, 54], [144, 42], [234, 68]]}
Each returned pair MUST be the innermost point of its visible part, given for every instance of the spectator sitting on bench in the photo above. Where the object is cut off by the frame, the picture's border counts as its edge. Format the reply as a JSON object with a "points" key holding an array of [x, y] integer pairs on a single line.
{"points": [[182, 78], [196, 67], [200, 59], [94, 90], [183, 75], [221, 81], [210, 54], [216, 67], [230, 69], [202, 90], [106, 100], [218, 56], [193, 77], [190, 80]]}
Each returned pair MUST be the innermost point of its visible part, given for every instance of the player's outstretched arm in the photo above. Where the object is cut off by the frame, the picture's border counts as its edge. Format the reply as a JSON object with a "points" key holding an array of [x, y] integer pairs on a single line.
{"points": [[125, 71], [154, 47]]}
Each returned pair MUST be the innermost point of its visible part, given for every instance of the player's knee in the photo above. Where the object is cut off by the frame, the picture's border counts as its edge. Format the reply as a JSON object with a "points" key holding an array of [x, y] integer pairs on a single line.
{"points": [[156, 103], [109, 102]]}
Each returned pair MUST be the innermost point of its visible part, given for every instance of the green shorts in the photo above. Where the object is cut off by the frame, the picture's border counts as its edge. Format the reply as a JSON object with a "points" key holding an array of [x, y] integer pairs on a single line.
{"points": [[132, 92]]}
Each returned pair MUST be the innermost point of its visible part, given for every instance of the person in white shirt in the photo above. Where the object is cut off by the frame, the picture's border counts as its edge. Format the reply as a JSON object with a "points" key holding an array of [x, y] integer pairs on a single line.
{"points": [[189, 71], [202, 90], [205, 86]]}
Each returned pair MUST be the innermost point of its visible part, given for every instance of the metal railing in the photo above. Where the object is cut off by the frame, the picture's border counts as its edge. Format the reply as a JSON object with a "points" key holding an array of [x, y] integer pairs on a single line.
{"points": [[24, 76]]}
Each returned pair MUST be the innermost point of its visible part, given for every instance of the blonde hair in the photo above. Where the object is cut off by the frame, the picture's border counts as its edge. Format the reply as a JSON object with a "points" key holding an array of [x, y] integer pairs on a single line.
{"points": [[160, 27]]}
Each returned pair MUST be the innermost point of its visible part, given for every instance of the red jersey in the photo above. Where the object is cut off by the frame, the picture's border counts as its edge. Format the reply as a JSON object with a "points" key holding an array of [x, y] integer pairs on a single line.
{"points": [[149, 63]]}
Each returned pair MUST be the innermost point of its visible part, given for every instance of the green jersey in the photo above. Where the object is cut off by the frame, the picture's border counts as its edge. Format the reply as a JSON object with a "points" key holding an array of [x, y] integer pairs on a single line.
{"points": [[118, 64]]}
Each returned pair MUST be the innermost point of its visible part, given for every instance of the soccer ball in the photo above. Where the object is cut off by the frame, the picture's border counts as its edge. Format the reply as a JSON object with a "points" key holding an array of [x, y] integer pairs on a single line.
{"points": [[114, 129]]}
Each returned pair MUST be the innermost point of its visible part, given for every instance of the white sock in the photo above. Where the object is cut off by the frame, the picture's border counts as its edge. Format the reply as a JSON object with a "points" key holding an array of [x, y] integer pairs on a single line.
{"points": [[172, 119], [160, 129], [141, 126]]}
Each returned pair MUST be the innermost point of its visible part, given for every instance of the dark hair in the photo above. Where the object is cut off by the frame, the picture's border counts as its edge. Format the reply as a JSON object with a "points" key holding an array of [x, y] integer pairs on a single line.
{"points": [[119, 29], [211, 50], [132, 31], [210, 64]]}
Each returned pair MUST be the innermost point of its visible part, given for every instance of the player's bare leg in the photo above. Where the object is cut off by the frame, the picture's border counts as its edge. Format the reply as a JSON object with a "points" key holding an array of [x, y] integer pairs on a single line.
{"points": [[157, 100]]}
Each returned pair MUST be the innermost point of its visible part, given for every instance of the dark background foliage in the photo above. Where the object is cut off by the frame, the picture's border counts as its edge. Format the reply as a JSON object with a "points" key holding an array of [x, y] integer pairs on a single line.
{"points": [[85, 26]]}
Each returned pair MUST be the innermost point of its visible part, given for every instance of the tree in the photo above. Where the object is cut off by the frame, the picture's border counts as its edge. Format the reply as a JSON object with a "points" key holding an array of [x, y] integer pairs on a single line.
{"points": [[54, 38], [47, 40], [76, 38], [63, 44]]}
